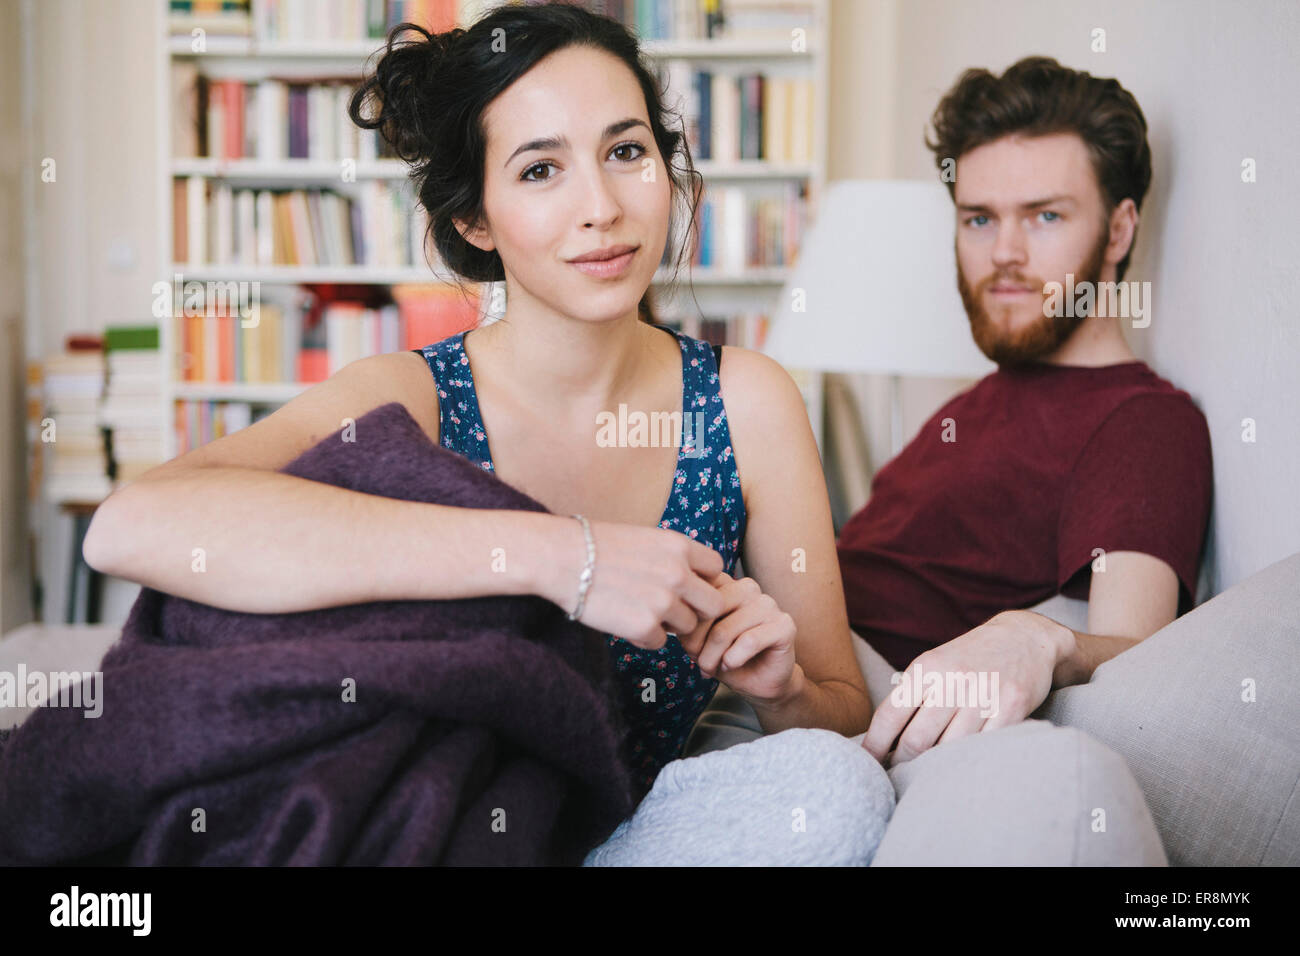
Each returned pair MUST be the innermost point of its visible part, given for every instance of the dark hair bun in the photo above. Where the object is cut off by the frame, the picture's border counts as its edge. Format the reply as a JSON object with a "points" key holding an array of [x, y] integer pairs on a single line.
{"points": [[402, 89]]}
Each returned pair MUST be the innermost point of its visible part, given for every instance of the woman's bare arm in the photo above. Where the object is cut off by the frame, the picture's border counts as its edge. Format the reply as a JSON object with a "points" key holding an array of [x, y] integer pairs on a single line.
{"points": [[221, 525], [789, 546]]}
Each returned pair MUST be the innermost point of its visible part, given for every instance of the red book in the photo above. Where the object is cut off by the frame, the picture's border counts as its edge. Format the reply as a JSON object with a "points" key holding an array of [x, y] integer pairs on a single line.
{"points": [[432, 314], [313, 365], [226, 348], [232, 120]]}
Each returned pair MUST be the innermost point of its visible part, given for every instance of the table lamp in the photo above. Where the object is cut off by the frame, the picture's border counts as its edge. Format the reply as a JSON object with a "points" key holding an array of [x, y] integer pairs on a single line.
{"points": [[875, 290]]}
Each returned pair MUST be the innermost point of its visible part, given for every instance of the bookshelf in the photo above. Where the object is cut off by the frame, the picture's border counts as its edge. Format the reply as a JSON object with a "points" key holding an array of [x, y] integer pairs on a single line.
{"points": [[281, 46]]}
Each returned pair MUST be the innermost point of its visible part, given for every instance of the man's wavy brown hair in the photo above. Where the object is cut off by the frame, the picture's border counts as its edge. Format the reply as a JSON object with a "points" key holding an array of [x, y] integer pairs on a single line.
{"points": [[1036, 97]]}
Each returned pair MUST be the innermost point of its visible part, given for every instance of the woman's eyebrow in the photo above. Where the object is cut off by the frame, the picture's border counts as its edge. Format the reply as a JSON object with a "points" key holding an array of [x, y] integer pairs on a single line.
{"points": [[561, 142]]}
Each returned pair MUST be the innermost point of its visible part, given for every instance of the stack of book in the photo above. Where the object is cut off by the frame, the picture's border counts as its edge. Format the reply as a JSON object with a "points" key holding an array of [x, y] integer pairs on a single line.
{"points": [[281, 345], [744, 329], [329, 21], [736, 229], [666, 19], [219, 18], [132, 407], [377, 224], [36, 460], [198, 423], [747, 330], [431, 313], [354, 331], [76, 468], [765, 21], [730, 116], [218, 344], [267, 120]]}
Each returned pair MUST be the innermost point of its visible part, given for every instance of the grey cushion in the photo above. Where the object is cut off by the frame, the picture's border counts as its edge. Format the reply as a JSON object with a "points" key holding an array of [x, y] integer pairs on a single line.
{"points": [[1072, 612], [802, 797], [1027, 795], [1219, 770]]}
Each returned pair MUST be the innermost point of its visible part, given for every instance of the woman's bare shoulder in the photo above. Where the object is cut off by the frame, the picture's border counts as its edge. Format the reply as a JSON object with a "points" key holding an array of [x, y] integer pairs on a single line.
{"points": [[417, 389], [766, 415]]}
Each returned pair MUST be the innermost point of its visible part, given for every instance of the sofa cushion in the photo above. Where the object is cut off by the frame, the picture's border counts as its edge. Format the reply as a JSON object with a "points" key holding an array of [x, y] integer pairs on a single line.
{"points": [[1206, 713]]}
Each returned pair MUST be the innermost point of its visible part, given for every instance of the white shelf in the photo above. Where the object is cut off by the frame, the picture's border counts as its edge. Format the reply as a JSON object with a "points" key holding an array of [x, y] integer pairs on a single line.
{"points": [[356, 51], [328, 170], [289, 170], [754, 169], [251, 59], [725, 49], [292, 275], [273, 392], [376, 275], [703, 275]]}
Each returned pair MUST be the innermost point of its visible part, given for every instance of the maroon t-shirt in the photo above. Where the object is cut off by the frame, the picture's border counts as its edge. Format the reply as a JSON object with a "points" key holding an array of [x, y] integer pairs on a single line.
{"points": [[1001, 499]]}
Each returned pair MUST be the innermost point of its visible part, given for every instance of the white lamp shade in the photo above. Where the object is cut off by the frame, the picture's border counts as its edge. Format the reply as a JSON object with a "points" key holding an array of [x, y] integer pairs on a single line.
{"points": [[876, 278]]}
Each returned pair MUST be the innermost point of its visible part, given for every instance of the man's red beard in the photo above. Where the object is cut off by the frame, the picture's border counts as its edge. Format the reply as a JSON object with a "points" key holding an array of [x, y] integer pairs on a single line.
{"points": [[1038, 338]]}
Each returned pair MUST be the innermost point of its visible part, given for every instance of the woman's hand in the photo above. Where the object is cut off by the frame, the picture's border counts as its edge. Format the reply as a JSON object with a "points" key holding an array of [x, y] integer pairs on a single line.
{"points": [[749, 645], [646, 581]]}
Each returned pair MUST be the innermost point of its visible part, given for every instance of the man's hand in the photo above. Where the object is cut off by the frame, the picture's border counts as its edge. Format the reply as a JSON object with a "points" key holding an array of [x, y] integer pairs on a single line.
{"points": [[1008, 661]]}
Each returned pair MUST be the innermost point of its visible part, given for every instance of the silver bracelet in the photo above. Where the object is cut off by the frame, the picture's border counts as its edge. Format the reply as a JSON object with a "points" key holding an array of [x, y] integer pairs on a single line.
{"points": [[584, 579]]}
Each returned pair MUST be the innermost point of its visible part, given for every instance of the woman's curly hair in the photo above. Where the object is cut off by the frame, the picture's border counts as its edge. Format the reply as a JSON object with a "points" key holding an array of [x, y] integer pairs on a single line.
{"points": [[427, 96]]}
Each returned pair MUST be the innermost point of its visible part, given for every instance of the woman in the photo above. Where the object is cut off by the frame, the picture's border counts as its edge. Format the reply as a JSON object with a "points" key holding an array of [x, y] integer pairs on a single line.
{"points": [[539, 141]]}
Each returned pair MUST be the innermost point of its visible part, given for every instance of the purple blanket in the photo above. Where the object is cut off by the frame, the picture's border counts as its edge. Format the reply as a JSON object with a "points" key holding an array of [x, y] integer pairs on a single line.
{"points": [[481, 731]]}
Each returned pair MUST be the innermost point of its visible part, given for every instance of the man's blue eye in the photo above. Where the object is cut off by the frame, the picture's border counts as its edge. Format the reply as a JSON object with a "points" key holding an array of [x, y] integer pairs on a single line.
{"points": [[973, 218], [1048, 212]]}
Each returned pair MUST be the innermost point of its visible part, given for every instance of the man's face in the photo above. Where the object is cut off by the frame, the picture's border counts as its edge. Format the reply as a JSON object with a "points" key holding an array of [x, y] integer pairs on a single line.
{"points": [[1029, 212]]}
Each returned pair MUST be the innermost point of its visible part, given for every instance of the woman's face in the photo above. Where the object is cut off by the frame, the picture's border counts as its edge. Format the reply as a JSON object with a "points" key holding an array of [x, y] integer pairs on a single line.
{"points": [[572, 167]]}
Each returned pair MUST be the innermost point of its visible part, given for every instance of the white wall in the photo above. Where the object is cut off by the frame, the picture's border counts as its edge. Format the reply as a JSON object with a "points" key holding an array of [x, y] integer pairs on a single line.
{"points": [[15, 579], [1216, 81], [94, 81]]}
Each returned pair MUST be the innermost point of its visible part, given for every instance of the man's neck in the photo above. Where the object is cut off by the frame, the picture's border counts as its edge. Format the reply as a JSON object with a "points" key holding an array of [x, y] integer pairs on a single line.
{"points": [[1096, 342]]}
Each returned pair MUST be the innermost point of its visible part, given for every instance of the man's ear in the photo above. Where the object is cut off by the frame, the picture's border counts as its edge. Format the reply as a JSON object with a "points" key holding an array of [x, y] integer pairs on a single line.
{"points": [[1123, 226], [475, 235]]}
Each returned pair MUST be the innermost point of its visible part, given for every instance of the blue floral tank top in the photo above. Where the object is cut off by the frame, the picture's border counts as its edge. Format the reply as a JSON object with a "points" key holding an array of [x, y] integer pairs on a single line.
{"points": [[706, 504]]}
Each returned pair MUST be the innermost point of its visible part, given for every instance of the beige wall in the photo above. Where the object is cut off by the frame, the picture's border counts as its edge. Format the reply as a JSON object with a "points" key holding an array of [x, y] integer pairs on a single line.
{"points": [[1221, 255], [864, 137], [15, 581], [94, 237], [1216, 81]]}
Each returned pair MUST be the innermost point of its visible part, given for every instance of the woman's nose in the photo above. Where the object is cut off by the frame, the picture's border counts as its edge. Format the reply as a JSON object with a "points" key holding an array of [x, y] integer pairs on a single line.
{"points": [[600, 206]]}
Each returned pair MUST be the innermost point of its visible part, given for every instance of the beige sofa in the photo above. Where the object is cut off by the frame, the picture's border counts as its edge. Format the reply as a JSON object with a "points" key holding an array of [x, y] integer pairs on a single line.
{"points": [[1184, 749]]}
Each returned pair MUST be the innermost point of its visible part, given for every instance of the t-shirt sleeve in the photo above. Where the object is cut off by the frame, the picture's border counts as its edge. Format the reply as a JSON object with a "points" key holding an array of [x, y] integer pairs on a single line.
{"points": [[1142, 483]]}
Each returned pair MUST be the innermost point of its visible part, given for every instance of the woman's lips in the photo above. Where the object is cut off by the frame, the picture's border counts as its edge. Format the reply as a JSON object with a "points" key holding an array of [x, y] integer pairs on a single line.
{"points": [[607, 268]]}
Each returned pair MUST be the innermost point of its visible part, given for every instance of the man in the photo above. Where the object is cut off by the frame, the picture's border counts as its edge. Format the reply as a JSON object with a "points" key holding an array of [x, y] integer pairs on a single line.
{"points": [[1073, 468]]}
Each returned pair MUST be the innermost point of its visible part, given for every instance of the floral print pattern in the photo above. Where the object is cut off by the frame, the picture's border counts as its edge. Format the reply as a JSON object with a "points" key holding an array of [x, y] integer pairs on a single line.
{"points": [[662, 691]]}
